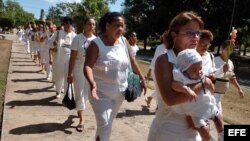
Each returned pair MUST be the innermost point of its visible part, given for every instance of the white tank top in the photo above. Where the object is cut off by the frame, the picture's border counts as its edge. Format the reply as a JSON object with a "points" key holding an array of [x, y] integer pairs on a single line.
{"points": [[110, 70]]}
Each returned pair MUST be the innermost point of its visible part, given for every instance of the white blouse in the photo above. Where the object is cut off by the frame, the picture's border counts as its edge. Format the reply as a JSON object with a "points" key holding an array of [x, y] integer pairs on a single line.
{"points": [[110, 70]]}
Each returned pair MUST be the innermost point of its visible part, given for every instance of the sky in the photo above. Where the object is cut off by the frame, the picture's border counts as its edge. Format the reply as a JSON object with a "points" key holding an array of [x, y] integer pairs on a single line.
{"points": [[35, 6]]}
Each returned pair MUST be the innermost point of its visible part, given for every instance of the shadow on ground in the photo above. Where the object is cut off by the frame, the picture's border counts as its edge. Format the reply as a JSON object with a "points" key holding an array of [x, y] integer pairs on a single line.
{"points": [[23, 65], [19, 58], [131, 113], [45, 127], [40, 90], [30, 80], [25, 71], [41, 102]]}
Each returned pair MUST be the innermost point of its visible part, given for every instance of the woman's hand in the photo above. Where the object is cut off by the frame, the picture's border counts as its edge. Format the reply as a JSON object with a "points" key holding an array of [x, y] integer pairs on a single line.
{"points": [[93, 91], [70, 79], [225, 67], [241, 93], [212, 77], [55, 43], [144, 86], [191, 94], [50, 62]]}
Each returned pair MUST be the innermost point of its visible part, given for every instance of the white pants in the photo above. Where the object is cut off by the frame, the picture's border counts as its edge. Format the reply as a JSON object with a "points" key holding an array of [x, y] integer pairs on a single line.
{"points": [[46, 57], [79, 85], [31, 43], [106, 109], [20, 38], [54, 56], [35, 47], [27, 46], [62, 64]]}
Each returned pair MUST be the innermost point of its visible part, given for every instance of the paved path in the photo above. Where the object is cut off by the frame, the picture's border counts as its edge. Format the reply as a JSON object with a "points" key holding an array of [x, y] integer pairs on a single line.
{"points": [[32, 112]]}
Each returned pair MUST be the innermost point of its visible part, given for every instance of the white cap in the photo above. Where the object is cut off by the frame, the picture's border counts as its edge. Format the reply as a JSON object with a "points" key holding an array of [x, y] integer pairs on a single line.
{"points": [[186, 58]]}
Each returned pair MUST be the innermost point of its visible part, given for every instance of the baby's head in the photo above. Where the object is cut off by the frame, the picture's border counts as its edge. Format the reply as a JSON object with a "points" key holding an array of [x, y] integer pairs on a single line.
{"points": [[189, 62]]}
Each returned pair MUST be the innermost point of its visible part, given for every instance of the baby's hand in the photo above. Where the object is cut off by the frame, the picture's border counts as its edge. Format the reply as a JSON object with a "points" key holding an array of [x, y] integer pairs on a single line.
{"points": [[191, 94], [209, 85]]}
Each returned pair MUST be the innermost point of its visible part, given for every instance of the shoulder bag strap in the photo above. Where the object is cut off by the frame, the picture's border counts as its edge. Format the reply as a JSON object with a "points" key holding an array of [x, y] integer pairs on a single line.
{"points": [[126, 49], [212, 59]]}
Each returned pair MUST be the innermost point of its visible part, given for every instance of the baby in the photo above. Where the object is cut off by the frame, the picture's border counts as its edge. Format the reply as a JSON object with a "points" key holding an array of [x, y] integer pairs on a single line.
{"points": [[188, 70]]}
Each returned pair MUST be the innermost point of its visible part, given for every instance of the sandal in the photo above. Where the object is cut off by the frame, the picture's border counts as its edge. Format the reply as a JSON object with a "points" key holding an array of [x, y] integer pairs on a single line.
{"points": [[79, 128]]}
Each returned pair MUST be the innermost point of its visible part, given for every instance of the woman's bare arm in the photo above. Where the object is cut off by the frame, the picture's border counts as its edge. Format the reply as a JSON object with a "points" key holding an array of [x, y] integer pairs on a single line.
{"points": [[90, 60], [164, 78], [136, 68]]}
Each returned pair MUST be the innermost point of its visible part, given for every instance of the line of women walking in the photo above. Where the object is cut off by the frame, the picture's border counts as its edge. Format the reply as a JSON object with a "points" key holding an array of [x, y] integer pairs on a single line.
{"points": [[98, 68]]}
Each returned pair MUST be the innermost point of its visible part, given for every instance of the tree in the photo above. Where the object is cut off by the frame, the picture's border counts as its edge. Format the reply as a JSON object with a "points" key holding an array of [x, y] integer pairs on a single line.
{"points": [[1, 8], [78, 11], [6, 23], [14, 14], [151, 17]]}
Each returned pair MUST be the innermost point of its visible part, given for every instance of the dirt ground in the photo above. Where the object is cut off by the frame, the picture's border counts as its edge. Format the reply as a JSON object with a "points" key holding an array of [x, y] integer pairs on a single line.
{"points": [[5, 48]]}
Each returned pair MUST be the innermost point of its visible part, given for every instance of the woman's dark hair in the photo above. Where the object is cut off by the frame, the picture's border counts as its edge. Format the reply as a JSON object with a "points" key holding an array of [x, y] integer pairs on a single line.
{"points": [[87, 19], [179, 21], [226, 44], [108, 17], [206, 34], [67, 20]]}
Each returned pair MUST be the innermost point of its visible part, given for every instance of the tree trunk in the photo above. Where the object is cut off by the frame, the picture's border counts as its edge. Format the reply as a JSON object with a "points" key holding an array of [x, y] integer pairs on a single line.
{"points": [[245, 51], [145, 43]]}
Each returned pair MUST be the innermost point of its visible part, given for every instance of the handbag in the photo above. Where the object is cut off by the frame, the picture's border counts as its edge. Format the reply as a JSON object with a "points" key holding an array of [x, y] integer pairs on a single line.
{"points": [[134, 85], [68, 101]]}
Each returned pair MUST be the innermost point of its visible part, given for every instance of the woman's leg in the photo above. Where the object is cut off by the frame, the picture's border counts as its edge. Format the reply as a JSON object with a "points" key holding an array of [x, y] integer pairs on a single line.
{"points": [[105, 110], [78, 79]]}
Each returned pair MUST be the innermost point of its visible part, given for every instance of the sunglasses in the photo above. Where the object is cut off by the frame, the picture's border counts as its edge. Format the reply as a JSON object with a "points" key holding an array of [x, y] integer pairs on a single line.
{"points": [[191, 34]]}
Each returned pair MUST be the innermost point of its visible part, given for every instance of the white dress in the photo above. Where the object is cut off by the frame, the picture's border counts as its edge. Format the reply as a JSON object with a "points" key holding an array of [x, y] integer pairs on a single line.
{"points": [[79, 44], [111, 68], [20, 34], [200, 110], [62, 58], [222, 76], [110, 74], [167, 124], [161, 49], [135, 49]]}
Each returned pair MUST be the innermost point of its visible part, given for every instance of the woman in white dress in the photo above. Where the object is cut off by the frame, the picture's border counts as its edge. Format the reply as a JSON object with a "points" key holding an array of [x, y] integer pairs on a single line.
{"points": [[133, 43], [106, 68], [75, 73], [63, 39], [184, 32]]}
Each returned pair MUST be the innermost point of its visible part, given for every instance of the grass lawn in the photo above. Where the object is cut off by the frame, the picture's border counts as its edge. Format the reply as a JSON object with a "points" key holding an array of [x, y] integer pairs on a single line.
{"points": [[5, 47]]}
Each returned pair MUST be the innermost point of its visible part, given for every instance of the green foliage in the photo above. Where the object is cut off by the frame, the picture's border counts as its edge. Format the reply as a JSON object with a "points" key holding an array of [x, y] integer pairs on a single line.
{"points": [[78, 11], [6, 23], [12, 14], [93, 8], [148, 17]]}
